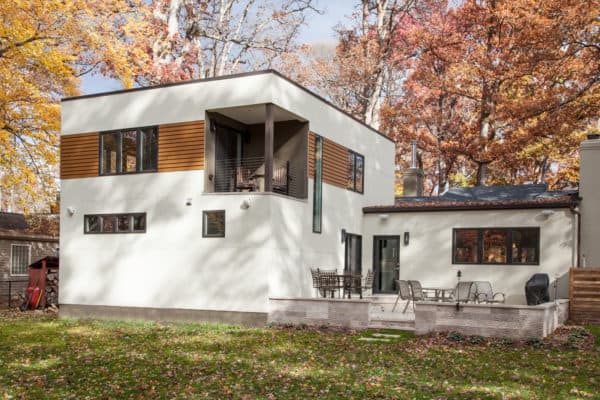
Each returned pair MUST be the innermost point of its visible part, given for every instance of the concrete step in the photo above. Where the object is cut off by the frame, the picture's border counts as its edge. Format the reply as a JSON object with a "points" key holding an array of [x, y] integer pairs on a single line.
{"points": [[408, 326]]}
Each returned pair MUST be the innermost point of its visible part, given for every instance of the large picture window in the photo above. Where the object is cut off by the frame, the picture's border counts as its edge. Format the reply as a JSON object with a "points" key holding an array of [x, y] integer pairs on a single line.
{"points": [[496, 246], [129, 151], [115, 223], [20, 257], [356, 167], [318, 186]]}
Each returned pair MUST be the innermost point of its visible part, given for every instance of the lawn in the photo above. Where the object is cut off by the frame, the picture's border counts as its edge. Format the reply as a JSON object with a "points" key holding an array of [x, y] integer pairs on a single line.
{"points": [[44, 357]]}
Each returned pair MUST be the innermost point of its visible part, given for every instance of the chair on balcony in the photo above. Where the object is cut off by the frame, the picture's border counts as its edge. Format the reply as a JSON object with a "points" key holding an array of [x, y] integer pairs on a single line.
{"points": [[244, 179], [281, 178], [368, 283]]}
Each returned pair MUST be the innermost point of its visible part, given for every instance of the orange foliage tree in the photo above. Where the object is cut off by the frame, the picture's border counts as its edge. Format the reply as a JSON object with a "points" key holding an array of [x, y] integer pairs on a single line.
{"points": [[45, 47]]}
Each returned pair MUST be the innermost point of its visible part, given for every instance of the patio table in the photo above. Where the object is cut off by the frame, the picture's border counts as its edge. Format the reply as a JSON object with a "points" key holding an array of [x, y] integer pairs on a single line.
{"points": [[439, 293], [345, 282]]}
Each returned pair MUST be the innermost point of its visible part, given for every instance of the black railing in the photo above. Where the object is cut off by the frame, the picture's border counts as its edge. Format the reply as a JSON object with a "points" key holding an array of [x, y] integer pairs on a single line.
{"points": [[248, 175], [12, 292]]}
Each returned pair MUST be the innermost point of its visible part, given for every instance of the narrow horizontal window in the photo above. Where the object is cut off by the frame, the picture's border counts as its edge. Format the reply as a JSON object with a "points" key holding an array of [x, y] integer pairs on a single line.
{"points": [[129, 151], [213, 223], [115, 223], [504, 246]]}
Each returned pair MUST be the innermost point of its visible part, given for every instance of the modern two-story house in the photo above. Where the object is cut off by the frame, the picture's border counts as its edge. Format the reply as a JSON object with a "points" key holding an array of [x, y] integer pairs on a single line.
{"points": [[202, 199], [205, 199]]}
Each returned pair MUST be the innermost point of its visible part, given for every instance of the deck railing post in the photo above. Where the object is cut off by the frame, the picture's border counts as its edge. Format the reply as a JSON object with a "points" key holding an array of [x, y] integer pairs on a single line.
{"points": [[269, 132], [9, 293]]}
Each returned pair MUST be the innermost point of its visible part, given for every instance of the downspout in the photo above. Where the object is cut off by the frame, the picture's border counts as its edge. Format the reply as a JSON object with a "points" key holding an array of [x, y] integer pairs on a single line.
{"points": [[577, 213]]}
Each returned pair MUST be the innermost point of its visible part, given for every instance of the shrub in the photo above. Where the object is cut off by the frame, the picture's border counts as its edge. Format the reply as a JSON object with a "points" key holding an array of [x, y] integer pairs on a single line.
{"points": [[535, 342], [476, 339], [456, 337]]}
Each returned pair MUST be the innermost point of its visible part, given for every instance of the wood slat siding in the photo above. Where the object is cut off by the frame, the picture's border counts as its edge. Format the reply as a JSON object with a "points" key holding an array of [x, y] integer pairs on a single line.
{"points": [[79, 156], [584, 304], [181, 146], [335, 161]]}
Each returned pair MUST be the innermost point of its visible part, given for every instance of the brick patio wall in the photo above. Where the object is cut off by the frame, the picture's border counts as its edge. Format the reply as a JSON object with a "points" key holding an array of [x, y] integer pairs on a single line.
{"points": [[320, 312], [491, 320]]}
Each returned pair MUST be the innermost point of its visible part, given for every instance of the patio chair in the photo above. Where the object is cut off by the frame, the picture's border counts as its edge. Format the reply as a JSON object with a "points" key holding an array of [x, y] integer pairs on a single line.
{"points": [[485, 294], [314, 273], [368, 283], [329, 282], [244, 179], [417, 291], [464, 292], [404, 293]]}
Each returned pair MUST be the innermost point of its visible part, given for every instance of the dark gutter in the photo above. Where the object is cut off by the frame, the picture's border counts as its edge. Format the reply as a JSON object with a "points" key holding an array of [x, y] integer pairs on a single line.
{"points": [[232, 76], [465, 207]]}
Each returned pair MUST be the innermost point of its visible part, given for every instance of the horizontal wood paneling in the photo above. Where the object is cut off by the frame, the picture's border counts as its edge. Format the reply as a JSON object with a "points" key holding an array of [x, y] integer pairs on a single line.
{"points": [[79, 156], [584, 304], [335, 161], [181, 146]]}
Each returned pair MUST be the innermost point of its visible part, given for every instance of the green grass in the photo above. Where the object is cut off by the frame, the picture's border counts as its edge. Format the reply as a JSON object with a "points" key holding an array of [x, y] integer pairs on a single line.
{"points": [[43, 357]]}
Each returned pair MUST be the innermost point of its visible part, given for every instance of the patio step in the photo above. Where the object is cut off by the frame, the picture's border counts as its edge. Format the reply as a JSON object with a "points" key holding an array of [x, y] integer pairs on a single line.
{"points": [[399, 325], [392, 320]]}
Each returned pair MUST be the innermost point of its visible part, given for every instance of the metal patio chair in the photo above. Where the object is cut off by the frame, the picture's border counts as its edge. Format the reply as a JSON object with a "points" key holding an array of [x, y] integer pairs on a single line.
{"points": [[485, 294], [464, 292], [404, 293], [368, 283]]}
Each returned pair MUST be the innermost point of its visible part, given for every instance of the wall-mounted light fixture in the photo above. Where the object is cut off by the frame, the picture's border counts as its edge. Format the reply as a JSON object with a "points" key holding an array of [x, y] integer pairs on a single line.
{"points": [[406, 238], [343, 235], [383, 217], [71, 210], [245, 205], [188, 201], [548, 213]]}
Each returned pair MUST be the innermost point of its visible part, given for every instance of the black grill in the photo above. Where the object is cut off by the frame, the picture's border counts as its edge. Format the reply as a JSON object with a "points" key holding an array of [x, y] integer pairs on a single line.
{"points": [[536, 289]]}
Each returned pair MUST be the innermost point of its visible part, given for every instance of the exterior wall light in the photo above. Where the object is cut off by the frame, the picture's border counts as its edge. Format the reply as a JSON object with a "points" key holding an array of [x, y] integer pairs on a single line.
{"points": [[343, 235], [188, 201], [383, 217], [71, 210], [548, 213], [245, 205], [406, 238]]}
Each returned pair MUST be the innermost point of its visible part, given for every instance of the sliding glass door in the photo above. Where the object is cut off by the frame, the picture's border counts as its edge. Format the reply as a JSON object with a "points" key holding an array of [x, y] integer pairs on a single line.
{"points": [[386, 263]]}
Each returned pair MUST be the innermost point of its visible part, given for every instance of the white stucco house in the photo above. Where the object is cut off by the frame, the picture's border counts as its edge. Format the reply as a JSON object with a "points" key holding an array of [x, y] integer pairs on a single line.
{"points": [[204, 199]]}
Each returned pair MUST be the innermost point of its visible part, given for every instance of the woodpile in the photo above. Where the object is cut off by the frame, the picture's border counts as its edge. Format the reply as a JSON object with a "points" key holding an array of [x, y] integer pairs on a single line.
{"points": [[52, 287]]}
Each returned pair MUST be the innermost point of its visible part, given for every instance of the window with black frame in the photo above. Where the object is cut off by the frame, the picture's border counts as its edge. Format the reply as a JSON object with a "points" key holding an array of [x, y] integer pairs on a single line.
{"points": [[318, 186], [129, 151], [513, 246], [356, 166], [213, 223], [114, 223]]}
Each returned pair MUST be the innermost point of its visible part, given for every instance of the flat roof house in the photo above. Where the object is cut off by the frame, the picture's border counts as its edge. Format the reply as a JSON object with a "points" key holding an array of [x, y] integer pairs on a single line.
{"points": [[213, 199], [202, 199]]}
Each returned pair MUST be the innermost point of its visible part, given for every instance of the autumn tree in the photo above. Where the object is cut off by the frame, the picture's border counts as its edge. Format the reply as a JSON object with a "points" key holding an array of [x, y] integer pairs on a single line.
{"points": [[508, 86], [45, 47], [207, 38]]}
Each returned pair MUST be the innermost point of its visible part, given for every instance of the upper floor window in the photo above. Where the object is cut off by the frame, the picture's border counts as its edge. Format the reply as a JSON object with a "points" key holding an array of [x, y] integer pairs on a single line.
{"points": [[356, 168], [496, 246], [128, 151]]}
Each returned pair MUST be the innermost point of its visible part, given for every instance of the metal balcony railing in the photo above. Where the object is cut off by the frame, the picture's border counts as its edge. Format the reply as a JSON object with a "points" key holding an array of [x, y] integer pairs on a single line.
{"points": [[248, 175]]}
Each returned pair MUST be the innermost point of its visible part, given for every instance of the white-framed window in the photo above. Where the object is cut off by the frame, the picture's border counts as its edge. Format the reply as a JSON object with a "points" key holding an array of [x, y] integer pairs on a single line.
{"points": [[20, 258]]}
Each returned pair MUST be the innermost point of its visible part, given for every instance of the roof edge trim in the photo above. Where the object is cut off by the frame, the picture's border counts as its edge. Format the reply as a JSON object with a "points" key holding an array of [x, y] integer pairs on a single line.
{"points": [[232, 76]]}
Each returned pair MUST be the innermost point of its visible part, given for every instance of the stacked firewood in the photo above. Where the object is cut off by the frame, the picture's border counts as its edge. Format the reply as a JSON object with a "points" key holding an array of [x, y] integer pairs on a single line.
{"points": [[52, 288]]}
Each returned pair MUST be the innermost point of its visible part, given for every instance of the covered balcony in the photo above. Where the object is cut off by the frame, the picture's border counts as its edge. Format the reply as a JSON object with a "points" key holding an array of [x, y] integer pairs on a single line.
{"points": [[256, 148]]}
